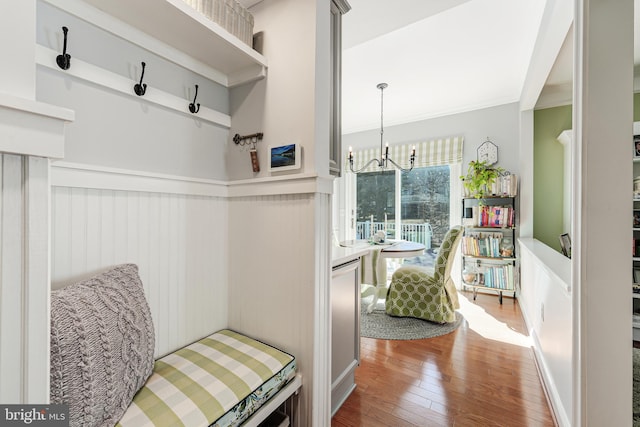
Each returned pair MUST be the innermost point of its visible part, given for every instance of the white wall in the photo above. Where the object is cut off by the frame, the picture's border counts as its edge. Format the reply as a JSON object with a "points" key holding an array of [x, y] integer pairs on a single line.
{"points": [[279, 244], [17, 29], [283, 106], [120, 130], [602, 177]]}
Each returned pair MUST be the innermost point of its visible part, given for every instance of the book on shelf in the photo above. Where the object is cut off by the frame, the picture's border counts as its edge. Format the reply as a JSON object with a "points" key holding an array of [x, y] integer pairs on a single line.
{"points": [[480, 243], [498, 277], [489, 216]]}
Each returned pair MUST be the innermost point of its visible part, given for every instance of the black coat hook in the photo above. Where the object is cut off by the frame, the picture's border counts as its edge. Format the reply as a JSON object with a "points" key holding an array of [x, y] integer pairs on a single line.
{"points": [[193, 107], [64, 60], [140, 88]]}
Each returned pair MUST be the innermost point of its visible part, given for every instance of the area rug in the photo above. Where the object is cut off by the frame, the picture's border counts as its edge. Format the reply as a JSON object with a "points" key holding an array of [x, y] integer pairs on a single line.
{"points": [[378, 324]]}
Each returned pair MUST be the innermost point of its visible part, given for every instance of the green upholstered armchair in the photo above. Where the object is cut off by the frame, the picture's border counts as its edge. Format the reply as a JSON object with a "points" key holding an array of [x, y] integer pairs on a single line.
{"points": [[425, 293]]}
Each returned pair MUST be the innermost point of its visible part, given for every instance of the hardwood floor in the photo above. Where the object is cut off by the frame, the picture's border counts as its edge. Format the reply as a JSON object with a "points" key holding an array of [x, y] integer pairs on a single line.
{"points": [[482, 374]]}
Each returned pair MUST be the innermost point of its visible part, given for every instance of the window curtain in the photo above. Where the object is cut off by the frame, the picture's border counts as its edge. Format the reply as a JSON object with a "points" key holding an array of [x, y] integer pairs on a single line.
{"points": [[436, 152]]}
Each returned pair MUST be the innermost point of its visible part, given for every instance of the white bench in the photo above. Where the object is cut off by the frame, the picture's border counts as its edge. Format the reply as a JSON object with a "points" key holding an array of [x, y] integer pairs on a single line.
{"points": [[103, 367]]}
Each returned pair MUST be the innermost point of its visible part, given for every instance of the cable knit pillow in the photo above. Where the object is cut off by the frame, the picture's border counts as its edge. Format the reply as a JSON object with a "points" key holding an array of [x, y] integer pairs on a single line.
{"points": [[102, 344]]}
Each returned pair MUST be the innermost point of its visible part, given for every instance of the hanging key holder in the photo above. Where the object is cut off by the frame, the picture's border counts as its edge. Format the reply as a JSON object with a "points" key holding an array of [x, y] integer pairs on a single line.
{"points": [[253, 140], [255, 164]]}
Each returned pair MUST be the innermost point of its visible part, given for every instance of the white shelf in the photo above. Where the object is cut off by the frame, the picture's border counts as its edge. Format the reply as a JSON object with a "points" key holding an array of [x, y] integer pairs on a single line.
{"points": [[489, 258], [180, 26]]}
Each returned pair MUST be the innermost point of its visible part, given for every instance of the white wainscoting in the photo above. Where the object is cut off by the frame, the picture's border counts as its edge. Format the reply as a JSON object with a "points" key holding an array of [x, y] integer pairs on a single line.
{"points": [[210, 256], [178, 241], [545, 300], [279, 285], [24, 280]]}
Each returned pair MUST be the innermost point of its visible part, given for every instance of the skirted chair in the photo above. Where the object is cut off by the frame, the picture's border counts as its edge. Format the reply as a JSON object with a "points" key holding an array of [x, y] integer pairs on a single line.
{"points": [[426, 293]]}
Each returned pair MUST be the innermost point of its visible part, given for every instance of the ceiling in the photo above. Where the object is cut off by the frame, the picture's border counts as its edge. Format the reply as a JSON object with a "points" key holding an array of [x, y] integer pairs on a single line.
{"points": [[441, 57]]}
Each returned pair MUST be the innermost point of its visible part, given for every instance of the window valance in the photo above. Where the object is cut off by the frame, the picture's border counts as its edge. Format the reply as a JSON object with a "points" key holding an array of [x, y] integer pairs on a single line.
{"points": [[436, 152]]}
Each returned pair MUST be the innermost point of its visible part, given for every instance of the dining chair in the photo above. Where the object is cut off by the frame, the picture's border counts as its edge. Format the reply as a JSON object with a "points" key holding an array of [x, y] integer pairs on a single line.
{"points": [[424, 293]]}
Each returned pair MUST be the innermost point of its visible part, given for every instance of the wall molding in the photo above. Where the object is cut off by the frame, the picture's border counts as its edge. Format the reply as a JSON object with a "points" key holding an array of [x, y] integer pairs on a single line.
{"points": [[32, 128], [277, 185], [76, 175]]}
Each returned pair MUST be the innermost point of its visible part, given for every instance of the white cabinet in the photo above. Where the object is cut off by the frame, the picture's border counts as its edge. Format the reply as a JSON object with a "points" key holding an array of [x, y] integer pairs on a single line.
{"points": [[345, 330]]}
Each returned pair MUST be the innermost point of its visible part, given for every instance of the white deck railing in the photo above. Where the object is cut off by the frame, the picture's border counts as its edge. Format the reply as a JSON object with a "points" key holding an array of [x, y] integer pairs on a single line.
{"points": [[420, 233]]}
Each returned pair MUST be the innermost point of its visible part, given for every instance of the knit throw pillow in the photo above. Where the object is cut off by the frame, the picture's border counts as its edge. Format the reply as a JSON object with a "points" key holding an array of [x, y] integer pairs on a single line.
{"points": [[102, 345]]}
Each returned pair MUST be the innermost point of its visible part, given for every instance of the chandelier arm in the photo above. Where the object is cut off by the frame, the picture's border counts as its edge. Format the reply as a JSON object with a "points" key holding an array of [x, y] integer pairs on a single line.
{"points": [[363, 167], [400, 167]]}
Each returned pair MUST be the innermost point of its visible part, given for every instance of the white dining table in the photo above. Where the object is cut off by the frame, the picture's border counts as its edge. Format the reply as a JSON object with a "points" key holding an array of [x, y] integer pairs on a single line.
{"points": [[388, 249]]}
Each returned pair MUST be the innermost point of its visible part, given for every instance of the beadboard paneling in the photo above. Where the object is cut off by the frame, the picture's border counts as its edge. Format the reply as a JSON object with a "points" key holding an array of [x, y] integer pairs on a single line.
{"points": [[179, 243], [278, 287]]}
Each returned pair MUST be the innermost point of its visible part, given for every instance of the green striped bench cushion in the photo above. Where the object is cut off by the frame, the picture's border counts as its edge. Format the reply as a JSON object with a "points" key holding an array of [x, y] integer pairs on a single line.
{"points": [[218, 381]]}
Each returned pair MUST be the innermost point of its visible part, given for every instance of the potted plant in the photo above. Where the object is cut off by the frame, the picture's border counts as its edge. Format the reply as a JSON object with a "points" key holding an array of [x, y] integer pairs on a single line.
{"points": [[479, 179]]}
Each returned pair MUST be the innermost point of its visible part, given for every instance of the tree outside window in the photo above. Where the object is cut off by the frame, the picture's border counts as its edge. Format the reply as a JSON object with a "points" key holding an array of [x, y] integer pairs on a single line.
{"points": [[425, 198]]}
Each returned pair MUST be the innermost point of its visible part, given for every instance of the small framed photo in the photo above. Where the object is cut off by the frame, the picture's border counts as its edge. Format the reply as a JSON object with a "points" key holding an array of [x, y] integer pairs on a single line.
{"points": [[285, 157], [636, 219], [565, 244], [636, 146], [636, 275]]}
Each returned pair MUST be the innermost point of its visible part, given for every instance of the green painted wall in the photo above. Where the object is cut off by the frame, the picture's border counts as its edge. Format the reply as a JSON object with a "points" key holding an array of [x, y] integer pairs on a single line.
{"points": [[548, 169]]}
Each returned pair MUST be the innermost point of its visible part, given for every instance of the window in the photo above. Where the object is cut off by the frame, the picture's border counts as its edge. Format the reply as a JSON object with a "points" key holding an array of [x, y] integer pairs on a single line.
{"points": [[376, 203], [425, 199], [414, 205], [423, 204]]}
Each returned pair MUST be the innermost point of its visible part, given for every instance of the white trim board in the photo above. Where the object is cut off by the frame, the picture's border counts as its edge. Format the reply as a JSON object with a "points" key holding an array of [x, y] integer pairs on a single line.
{"points": [[112, 81], [74, 175], [65, 174]]}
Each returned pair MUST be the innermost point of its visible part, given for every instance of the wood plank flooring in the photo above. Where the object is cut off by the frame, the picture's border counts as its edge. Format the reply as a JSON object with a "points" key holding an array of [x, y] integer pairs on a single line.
{"points": [[482, 374]]}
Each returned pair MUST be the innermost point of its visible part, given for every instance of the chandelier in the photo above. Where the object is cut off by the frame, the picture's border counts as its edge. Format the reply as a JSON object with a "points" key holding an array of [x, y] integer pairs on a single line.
{"points": [[384, 159]]}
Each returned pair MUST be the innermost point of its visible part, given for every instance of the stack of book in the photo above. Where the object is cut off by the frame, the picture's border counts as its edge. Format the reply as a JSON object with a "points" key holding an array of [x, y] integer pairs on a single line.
{"points": [[490, 216], [482, 244], [498, 277]]}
